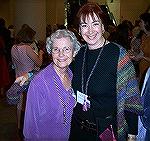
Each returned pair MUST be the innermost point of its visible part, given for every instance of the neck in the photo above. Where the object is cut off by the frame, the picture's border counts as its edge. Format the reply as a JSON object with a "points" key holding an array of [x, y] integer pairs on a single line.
{"points": [[62, 72], [97, 45]]}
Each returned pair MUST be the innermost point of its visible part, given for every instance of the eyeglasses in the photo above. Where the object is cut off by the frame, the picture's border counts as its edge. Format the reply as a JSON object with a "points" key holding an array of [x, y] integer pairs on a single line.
{"points": [[65, 50]]}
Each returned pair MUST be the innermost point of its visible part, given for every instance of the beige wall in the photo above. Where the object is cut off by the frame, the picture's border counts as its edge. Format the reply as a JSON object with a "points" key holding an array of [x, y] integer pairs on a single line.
{"points": [[55, 12], [5, 11], [33, 13], [131, 9]]}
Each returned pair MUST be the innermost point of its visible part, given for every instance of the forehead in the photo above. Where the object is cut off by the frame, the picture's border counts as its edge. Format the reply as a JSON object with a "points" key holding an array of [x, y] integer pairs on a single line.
{"points": [[90, 17], [62, 42]]}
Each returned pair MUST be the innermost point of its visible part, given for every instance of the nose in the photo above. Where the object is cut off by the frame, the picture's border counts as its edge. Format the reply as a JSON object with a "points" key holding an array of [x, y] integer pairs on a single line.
{"points": [[90, 29], [61, 52]]}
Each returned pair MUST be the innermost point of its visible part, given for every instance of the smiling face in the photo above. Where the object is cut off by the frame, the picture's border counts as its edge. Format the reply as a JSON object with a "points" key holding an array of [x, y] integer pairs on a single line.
{"points": [[62, 52], [92, 30]]}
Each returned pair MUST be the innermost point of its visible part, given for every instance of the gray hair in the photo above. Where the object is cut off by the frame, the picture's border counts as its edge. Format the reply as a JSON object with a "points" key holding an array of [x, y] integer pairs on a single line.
{"points": [[60, 33]]}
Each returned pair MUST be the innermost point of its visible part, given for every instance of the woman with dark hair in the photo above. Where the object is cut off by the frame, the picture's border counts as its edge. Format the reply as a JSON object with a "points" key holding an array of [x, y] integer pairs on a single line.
{"points": [[145, 45], [106, 85], [121, 36], [143, 55], [24, 57]]}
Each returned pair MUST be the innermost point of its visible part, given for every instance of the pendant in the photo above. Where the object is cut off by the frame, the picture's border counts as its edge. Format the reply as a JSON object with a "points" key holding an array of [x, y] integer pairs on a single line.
{"points": [[85, 108]]}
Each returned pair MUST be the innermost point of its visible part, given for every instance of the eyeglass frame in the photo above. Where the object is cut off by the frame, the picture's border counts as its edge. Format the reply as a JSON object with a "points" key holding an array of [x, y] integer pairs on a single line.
{"points": [[64, 49]]}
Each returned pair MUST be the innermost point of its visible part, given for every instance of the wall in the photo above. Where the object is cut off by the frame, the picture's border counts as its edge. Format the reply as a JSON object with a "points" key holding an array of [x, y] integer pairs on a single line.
{"points": [[55, 12], [114, 8], [131, 9], [33, 13], [5, 11]]}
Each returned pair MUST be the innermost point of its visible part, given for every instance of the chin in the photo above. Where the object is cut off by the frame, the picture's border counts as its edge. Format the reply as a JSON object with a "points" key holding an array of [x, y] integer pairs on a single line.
{"points": [[91, 42], [62, 66]]}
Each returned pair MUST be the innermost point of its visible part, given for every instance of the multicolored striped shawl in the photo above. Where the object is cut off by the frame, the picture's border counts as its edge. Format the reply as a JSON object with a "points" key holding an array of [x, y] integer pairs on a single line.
{"points": [[128, 95]]}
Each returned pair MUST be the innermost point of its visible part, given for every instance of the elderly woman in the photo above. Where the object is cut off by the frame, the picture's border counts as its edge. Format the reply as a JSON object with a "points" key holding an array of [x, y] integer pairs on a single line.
{"points": [[50, 98]]}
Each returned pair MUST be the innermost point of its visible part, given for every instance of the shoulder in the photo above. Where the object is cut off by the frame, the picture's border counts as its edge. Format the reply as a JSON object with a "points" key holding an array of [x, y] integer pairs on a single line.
{"points": [[120, 47], [43, 75], [82, 48], [122, 51], [80, 53]]}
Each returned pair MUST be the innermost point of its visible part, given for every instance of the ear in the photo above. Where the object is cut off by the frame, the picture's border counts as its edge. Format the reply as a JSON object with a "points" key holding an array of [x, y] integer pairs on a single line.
{"points": [[79, 30], [103, 29]]}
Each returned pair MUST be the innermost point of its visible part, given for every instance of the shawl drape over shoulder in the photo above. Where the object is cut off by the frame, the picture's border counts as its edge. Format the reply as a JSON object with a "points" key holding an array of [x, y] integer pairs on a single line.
{"points": [[128, 94]]}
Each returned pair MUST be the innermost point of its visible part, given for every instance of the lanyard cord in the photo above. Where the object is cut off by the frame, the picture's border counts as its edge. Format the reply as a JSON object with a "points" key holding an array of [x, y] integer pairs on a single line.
{"points": [[91, 73]]}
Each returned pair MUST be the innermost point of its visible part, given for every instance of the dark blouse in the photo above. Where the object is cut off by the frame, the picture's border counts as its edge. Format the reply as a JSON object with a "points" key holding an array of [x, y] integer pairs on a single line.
{"points": [[102, 85]]}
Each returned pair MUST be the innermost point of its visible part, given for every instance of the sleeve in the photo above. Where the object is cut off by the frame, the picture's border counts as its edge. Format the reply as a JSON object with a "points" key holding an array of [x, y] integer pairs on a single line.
{"points": [[32, 111], [132, 121], [133, 105], [133, 101]]}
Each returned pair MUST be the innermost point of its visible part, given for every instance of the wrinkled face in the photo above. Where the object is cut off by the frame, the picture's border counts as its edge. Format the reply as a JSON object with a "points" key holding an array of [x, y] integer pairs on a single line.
{"points": [[92, 30], [62, 52]]}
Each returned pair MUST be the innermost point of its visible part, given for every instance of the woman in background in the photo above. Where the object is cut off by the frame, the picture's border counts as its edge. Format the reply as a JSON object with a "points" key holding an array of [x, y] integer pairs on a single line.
{"points": [[24, 59]]}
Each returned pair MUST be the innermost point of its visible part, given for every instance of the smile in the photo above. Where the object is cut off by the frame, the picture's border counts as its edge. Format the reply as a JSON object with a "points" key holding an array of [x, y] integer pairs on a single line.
{"points": [[91, 37], [61, 60]]}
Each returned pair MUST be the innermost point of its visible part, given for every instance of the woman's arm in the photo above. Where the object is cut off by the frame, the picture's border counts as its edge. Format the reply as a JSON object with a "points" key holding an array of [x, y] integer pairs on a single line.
{"points": [[132, 121], [32, 112], [37, 58]]}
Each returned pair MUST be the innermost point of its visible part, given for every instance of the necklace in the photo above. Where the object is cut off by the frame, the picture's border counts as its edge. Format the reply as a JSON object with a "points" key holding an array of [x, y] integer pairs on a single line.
{"points": [[91, 73], [63, 103]]}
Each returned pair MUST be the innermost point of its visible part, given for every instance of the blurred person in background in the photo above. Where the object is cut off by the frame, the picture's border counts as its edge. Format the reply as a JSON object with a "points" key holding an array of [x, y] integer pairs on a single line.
{"points": [[25, 59], [5, 33], [143, 55], [4, 74]]}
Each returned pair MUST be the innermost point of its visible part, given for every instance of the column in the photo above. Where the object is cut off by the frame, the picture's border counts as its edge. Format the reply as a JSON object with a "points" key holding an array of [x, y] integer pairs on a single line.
{"points": [[33, 13]]}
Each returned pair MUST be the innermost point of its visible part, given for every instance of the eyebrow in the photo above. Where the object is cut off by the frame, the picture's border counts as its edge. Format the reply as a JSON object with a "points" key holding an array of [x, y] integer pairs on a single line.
{"points": [[92, 22]]}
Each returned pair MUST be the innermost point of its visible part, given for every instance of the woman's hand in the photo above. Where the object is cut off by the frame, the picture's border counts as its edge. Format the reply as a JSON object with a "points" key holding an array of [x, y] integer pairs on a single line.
{"points": [[22, 79]]}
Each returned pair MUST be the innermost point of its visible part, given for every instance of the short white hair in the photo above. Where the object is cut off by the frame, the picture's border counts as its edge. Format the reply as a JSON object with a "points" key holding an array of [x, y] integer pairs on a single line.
{"points": [[61, 33]]}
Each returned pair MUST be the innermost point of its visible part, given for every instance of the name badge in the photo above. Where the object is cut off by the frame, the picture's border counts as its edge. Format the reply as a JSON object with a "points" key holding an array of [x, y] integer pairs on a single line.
{"points": [[82, 98]]}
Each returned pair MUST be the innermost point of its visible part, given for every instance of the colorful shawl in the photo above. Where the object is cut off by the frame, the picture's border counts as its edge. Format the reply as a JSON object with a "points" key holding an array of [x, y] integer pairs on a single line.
{"points": [[128, 95]]}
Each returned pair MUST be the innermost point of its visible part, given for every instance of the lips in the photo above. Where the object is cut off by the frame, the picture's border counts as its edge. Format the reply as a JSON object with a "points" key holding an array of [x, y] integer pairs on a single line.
{"points": [[91, 37], [61, 60]]}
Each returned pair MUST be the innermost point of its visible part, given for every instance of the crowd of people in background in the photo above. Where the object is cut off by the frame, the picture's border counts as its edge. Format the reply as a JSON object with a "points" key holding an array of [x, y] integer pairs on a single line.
{"points": [[21, 53]]}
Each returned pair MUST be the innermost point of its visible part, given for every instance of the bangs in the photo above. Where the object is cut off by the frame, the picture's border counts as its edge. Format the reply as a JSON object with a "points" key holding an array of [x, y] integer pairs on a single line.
{"points": [[93, 16], [90, 9]]}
